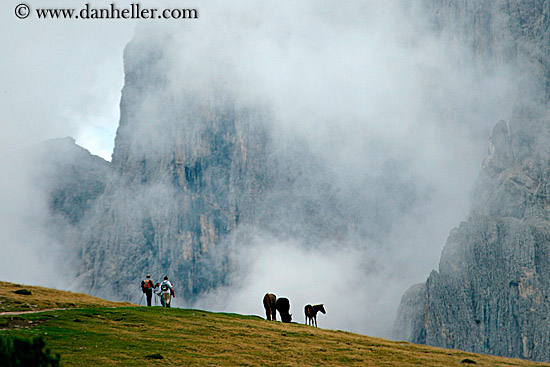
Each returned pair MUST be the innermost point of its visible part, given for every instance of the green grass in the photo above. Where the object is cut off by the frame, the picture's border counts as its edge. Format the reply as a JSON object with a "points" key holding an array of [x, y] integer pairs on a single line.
{"points": [[155, 336]]}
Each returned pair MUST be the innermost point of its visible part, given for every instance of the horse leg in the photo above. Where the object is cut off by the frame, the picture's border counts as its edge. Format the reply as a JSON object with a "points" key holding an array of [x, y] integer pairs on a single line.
{"points": [[315, 320]]}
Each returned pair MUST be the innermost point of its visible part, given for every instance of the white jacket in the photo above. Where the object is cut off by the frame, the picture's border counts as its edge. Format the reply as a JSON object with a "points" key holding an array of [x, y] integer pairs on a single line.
{"points": [[167, 282]]}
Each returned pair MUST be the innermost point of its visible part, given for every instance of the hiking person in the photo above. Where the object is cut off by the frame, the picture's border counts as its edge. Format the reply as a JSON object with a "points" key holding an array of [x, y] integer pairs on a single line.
{"points": [[147, 286], [167, 291], [158, 292]]}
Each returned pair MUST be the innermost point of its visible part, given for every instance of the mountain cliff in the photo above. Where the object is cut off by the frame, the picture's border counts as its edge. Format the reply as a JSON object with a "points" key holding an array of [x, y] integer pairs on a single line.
{"points": [[71, 176], [182, 167], [490, 294], [191, 165], [203, 170]]}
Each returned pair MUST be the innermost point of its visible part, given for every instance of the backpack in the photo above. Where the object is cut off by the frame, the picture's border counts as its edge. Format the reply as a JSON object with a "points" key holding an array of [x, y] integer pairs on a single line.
{"points": [[145, 284], [164, 287]]}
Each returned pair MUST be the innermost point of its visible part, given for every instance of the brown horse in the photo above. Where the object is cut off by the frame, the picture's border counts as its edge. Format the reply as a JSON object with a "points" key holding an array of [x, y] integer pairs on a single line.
{"points": [[283, 306], [269, 305], [311, 313]]}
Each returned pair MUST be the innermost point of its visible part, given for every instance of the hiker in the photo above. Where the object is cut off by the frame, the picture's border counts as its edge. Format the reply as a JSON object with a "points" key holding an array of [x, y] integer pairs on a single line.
{"points": [[158, 292], [147, 286], [167, 291]]}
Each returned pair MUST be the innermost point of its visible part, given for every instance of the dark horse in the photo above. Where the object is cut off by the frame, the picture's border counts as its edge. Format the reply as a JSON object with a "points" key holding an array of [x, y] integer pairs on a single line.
{"points": [[283, 306], [311, 313], [269, 305]]}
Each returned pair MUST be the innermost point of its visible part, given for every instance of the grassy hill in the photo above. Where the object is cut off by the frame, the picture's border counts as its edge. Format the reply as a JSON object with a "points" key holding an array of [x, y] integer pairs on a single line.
{"points": [[95, 332], [20, 298]]}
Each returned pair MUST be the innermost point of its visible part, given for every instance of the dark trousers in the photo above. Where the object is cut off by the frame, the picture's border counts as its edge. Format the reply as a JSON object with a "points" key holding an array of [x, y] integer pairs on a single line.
{"points": [[149, 295]]}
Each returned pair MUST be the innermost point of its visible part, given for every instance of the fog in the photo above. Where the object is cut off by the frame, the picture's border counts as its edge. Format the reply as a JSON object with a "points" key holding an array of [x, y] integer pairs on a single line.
{"points": [[398, 114], [59, 78], [382, 101]]}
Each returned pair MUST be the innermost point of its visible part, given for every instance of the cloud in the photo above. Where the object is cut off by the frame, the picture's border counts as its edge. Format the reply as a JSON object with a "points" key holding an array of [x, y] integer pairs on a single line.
{"points": [[399, 115], [61, 77]]}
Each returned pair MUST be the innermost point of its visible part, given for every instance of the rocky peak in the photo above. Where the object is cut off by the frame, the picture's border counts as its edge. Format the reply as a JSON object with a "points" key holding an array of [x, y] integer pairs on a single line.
{"points": [[69, 175], [513, 182], [499, 145], [490, 293]]}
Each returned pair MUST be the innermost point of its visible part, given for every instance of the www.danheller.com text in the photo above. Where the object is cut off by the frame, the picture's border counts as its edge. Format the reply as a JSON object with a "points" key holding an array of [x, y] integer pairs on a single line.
{"points": [[88, 11]]}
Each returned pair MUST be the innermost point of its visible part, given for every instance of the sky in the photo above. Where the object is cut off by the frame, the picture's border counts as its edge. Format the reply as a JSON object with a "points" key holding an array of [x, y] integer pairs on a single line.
{"points": [[61, 78], [360, 82]]}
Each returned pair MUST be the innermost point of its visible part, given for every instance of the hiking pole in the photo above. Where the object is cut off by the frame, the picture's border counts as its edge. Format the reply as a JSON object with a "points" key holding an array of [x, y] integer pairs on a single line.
{"points": [[141, 299]]}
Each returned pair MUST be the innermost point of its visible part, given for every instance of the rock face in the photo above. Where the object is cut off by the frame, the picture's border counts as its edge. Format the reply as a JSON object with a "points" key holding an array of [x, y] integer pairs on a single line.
{"points": [[189, 167], [197, 163], [71, 176], [490, 294], [183, 167]]}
